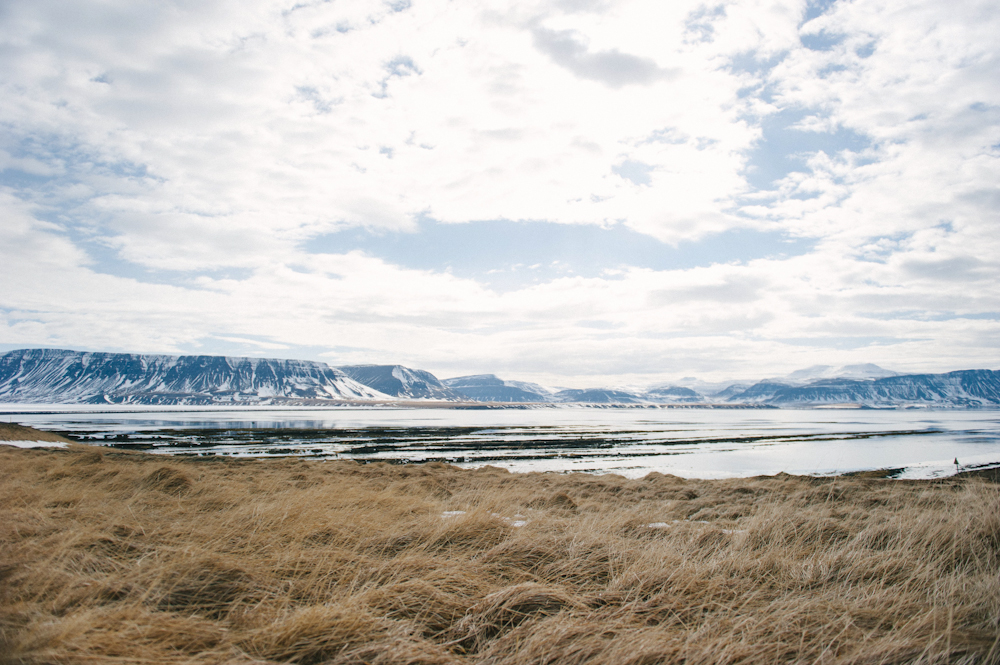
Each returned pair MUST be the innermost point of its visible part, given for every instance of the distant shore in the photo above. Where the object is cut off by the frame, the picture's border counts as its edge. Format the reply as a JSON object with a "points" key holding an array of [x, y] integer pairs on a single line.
{"points": [[15, 408]]}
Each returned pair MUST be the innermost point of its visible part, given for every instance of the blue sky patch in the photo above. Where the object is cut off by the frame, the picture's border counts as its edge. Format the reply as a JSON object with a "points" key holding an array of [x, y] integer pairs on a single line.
{"points": [[635, 172], [510, 255], [816, 8], [822, 41], [783, 149]]}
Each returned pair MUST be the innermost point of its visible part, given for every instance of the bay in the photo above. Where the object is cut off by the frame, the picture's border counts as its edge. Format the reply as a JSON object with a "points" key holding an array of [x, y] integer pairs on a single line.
{"points": [[631, 441]]}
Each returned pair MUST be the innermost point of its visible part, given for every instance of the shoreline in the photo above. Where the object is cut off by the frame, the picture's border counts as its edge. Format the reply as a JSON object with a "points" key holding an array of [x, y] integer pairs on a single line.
{"points": [[521, 449]]}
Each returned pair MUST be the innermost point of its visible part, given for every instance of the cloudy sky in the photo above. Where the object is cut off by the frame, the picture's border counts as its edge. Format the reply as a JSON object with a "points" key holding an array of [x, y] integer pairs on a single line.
{"points": [[571, 191]]}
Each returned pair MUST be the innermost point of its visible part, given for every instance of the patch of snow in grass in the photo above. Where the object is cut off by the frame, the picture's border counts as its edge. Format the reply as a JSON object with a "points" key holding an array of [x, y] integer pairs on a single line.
{"points": [[515, 522], [34, 444], [667, 525]]}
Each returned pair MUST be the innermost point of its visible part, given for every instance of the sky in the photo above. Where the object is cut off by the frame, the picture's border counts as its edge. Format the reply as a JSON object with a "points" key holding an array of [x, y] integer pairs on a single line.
{"points": [[575, 192]]}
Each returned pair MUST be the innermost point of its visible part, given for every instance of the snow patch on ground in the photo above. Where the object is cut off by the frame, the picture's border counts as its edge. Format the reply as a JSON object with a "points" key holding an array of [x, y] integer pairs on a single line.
{"points": [[947, 467], [34, 444]]}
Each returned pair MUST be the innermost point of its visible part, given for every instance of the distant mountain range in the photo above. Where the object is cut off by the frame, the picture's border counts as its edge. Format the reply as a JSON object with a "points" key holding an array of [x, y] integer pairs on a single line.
{"points": [[968, 388], [54, 376]]}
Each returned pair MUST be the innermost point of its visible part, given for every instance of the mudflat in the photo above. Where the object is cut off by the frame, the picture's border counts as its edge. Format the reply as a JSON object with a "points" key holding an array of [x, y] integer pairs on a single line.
{"points": [[117, 556]]}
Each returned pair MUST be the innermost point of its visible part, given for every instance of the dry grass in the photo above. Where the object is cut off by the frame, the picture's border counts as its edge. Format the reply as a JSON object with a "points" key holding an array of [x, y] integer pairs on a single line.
{"points": [[112, 557], [14, 432]]}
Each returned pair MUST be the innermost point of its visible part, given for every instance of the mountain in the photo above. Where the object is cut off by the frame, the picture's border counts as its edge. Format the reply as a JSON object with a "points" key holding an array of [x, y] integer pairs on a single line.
{"points": [[56, 376], [598, 396], [490, 388], [672, 395], [965, 388], [866, 371], [400, 381], [729, 391]]}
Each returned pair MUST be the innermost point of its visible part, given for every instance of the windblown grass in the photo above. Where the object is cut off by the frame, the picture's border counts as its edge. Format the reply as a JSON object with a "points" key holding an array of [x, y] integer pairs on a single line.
{"points": [[14, 432], [113, 557]]}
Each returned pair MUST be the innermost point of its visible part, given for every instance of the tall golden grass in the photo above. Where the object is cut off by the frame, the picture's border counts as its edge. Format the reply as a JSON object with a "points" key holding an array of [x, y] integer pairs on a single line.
{"points": [[114, 557]]}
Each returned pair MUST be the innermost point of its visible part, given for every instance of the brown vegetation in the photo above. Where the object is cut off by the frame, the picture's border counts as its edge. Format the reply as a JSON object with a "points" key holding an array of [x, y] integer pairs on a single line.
{"points": [[115, 557], [14, 432]]}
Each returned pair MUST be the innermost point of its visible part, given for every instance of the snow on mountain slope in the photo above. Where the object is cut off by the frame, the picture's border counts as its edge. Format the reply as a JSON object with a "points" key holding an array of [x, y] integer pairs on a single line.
{"points": [[965, 388], [68, 377], [59, 376], [490, 388], [671, 394], [866, 371], [598, 396], [402, 382]]}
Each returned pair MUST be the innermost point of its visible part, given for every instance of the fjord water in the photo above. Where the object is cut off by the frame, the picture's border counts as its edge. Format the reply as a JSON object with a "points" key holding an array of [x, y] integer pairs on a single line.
{"points": [[695, 443]]}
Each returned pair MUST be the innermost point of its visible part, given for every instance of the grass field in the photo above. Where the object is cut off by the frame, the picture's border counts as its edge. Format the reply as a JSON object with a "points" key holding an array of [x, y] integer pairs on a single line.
{"points": [[121, 557]]}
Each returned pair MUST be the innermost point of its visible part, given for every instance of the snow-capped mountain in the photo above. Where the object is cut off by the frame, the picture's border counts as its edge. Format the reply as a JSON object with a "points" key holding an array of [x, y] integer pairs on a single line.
{"points": [[598, 396], [670, 394], [863, 372], [728, 391], [402, 382], [57, 376], [966, 388], [490, 388]]}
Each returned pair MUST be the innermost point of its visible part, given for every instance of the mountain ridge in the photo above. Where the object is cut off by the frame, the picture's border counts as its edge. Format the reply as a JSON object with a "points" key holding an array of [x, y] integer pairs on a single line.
{"points": [[491, 388], [66, 376], [962, 388], [402, 382], [82, 377]]}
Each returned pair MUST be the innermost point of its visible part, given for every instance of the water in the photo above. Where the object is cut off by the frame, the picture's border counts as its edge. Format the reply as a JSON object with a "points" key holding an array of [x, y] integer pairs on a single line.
{"points": [[694, 443]]}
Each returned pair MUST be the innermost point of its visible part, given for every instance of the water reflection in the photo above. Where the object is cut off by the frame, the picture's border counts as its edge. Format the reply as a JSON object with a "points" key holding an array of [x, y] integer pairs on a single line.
{"points": [[706, 443]]}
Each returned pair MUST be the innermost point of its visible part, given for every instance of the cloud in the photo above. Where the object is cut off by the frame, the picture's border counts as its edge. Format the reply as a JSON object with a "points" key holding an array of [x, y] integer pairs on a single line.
{"points": [[168, 175], [612, 68]]}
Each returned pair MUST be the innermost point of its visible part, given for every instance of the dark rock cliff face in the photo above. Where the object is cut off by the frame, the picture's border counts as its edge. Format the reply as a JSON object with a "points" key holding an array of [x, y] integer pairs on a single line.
{"points": [[967, 388], [400, 381], [73, 377]]}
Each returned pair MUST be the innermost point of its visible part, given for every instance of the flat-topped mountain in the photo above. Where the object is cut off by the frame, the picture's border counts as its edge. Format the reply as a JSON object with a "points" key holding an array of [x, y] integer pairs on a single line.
{"points": [[670, 394], [400, 381], [597, 396], [490, 388], [55, 376]]}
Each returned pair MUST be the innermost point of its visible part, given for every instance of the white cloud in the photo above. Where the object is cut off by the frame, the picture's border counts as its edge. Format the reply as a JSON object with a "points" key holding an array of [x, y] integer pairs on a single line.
{"points": [[192, 149]]}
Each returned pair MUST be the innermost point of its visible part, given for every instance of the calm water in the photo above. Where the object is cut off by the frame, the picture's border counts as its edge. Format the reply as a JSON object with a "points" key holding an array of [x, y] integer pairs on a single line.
{"points": [[699, 443]]}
